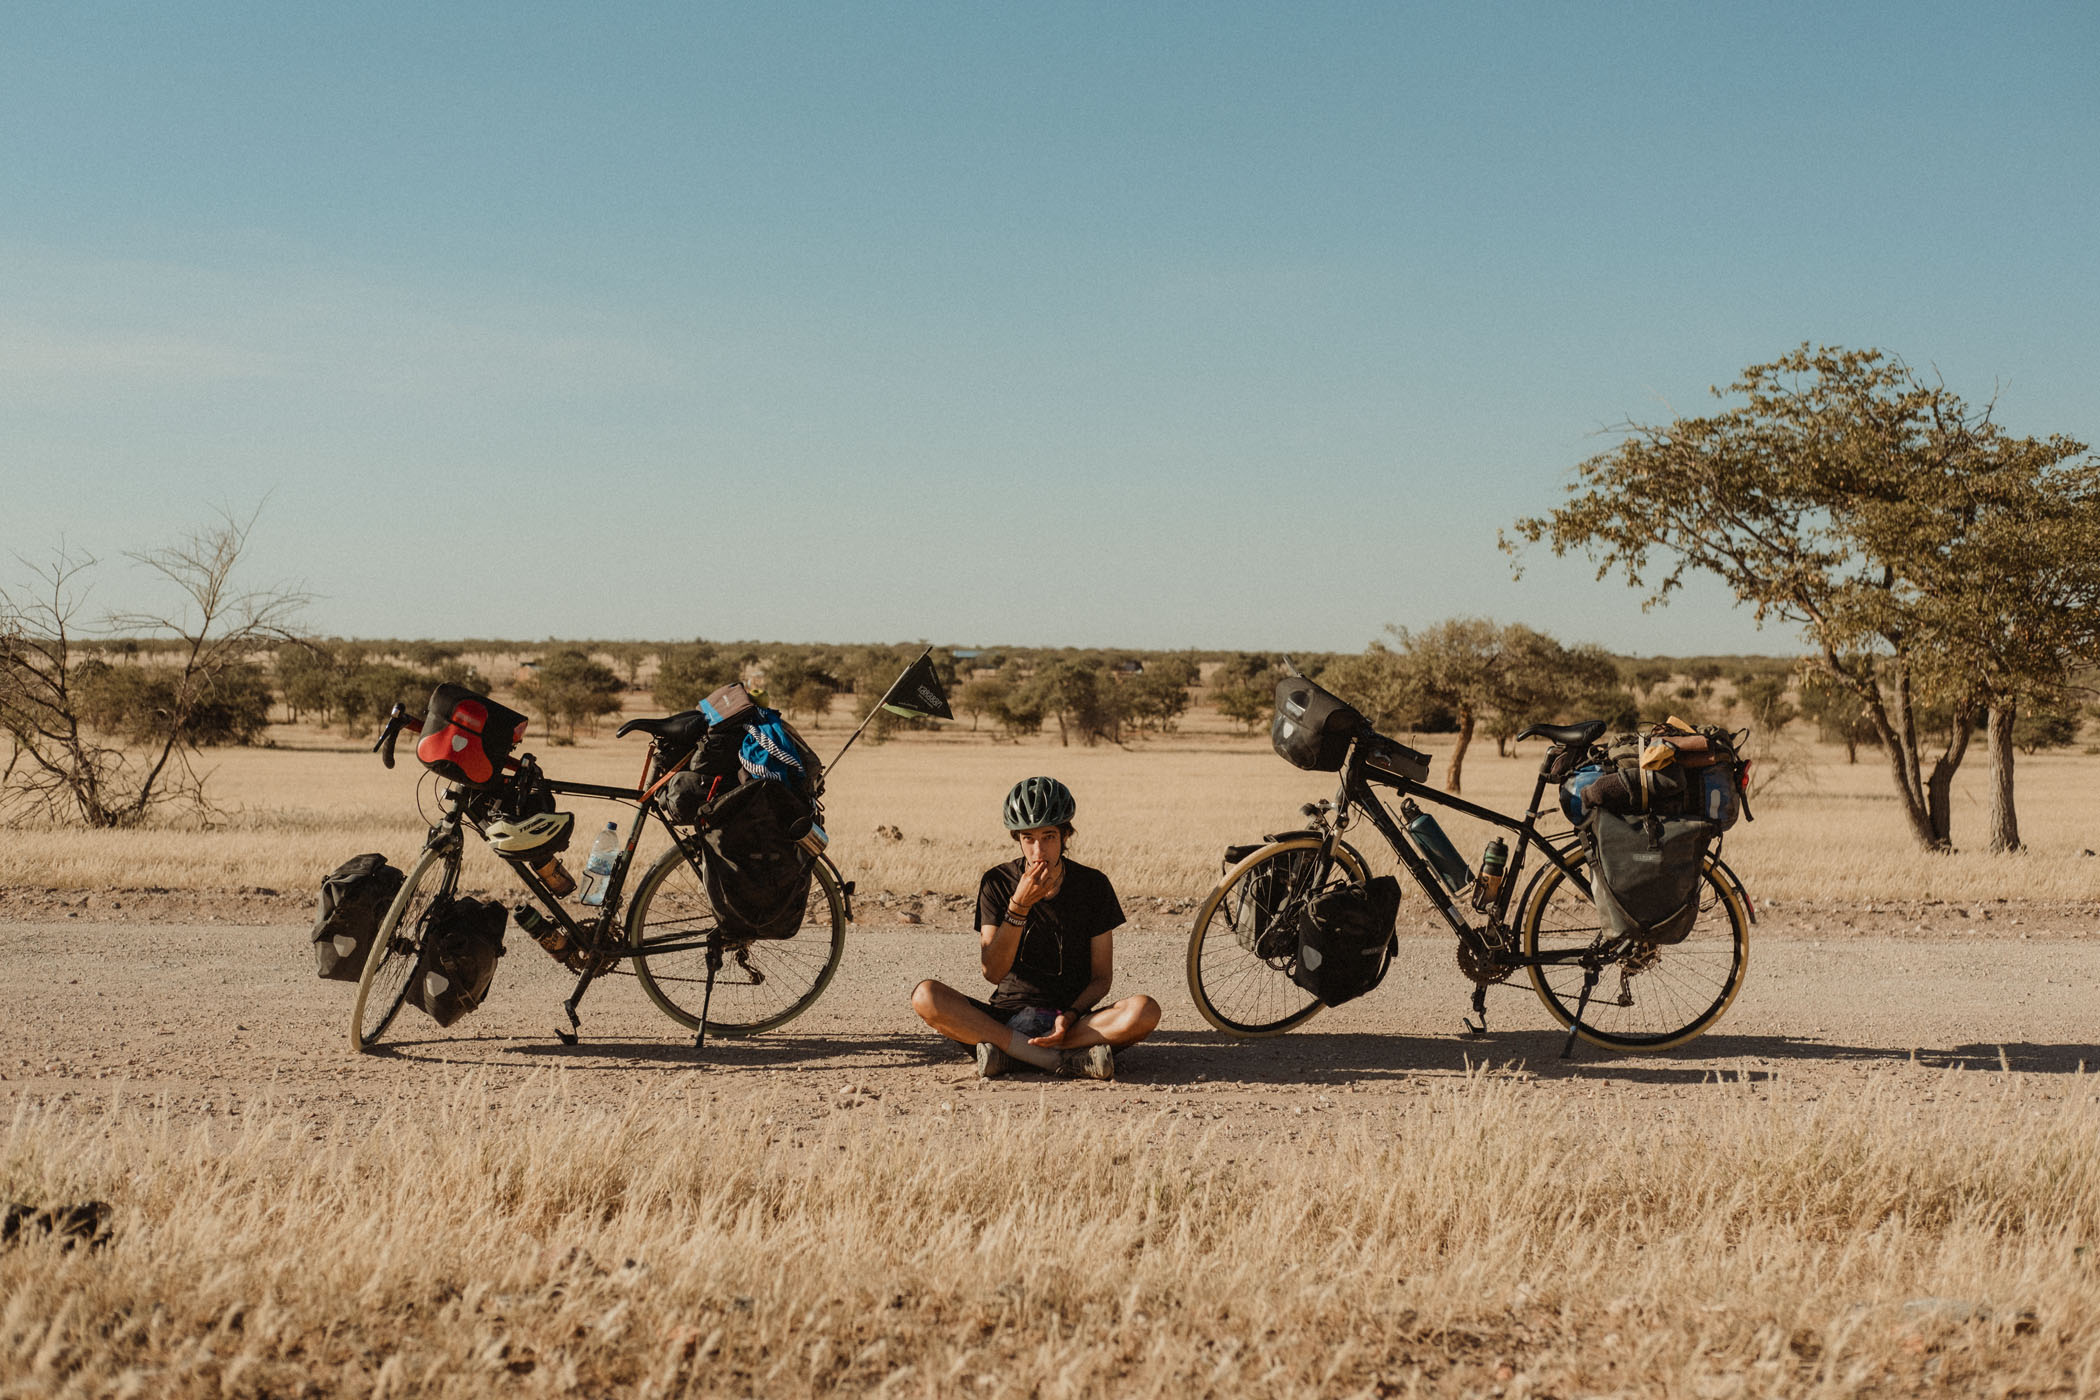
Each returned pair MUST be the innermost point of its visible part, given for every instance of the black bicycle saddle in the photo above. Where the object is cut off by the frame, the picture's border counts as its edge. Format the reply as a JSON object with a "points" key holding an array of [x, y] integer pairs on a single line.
{"points": [[680, 731], [1569, 735]]}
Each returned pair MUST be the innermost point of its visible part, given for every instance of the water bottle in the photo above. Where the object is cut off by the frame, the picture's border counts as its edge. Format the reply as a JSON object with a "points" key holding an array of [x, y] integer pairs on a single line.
{"points": [[1450, 866], [545, 932], [1493, 862], [598, 868]]}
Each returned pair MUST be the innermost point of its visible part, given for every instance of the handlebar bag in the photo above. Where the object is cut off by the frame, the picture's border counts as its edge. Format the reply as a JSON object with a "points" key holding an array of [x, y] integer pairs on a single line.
{"points": [[468, 737], [1645, 873], [1313, 727], [1345, 939], [354, 899], [466, 938]]}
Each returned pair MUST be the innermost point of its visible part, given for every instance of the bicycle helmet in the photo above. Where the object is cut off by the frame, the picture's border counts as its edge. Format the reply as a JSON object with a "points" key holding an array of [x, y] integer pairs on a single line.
{"points": [[1039, 802], [542, 833]]}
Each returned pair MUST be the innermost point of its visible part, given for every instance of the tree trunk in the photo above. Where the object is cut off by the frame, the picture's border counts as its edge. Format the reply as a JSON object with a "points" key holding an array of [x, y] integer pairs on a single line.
{"points": [[2004, 818], [1458, 752], [1851, 750]]}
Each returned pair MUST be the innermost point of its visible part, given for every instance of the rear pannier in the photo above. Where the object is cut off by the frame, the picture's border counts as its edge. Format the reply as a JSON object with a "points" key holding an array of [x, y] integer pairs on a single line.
{"points": [[1313, 727], [466, 938], [354, 899], [468, 737], [1645, 873]]}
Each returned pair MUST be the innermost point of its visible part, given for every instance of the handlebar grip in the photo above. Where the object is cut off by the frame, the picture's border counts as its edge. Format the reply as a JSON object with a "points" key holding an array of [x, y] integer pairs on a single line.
{"points": [[385, 747]]}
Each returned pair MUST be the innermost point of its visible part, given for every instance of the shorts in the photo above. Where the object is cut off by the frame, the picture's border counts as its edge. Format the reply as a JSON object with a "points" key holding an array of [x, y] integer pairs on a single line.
{"points": [[1030, 1021]]}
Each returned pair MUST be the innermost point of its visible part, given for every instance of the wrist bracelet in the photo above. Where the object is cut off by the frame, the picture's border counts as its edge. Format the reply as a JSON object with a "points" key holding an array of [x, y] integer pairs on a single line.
{"points": [[1016, 915]]}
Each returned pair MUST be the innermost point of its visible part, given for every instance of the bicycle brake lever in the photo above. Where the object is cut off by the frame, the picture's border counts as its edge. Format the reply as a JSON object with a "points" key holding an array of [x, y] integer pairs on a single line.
{"points": [[385, 747]]}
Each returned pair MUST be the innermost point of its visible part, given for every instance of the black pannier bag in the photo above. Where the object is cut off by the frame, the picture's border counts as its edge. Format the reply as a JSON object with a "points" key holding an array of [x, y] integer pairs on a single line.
{"points": [[1260, 925], [1345, 938], [354, 900], [1313, 727], [1645, 873], [683, 796], [466, 938], [752, 857], [468, 737]]}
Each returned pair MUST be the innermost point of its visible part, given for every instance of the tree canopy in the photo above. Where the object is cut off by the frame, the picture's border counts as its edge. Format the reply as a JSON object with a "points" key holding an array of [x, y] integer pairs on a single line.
{"points": [[1933, 560]]}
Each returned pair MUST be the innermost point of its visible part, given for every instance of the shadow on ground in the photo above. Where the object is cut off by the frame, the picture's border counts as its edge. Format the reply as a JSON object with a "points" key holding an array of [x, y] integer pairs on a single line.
{"points": [[1303, 1057]]}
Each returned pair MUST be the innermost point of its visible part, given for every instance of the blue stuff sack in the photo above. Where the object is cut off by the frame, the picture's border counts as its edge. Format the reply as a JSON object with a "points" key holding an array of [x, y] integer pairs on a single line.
{"points": [[1574, 785], [772, 751], [1714, 794]]}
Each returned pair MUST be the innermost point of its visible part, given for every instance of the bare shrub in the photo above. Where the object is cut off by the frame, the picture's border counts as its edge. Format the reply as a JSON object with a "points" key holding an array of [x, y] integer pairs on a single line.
{"points": [[60, 765]]}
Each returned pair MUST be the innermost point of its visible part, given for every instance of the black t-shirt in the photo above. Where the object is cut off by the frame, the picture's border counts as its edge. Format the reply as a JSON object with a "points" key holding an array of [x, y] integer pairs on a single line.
{"points": [[1056, 958]]}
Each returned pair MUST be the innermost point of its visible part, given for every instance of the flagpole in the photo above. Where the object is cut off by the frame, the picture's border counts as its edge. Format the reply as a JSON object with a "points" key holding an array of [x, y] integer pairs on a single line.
{"points": [[874, 710]]}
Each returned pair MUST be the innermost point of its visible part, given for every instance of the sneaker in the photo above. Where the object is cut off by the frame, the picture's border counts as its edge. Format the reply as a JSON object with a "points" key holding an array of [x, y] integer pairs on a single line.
{"points": [[1094, 1062], [991, 1060]]}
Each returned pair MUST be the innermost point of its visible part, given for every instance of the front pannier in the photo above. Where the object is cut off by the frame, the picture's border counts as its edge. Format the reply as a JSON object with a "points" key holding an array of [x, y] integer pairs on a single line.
{"points": [[1345, 938], [354, 900], [1313, 727], [1645, 873], [1260, 923], [466, 938], [468, 737]]}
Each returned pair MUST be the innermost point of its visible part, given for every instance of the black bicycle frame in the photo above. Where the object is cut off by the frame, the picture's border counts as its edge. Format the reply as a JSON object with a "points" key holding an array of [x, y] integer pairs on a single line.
{"points": [[1358, 781]]}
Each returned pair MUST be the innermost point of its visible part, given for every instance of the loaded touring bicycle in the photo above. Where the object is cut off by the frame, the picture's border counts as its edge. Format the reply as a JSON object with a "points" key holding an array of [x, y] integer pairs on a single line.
{"points": [[735, 928], [1298, 922]]}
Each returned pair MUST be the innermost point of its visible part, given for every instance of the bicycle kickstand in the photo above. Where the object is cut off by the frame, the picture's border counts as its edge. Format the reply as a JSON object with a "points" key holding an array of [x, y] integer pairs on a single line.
{"points": [[1582, 1004], [568, 1037], [707, 998], [1477, 1028]]}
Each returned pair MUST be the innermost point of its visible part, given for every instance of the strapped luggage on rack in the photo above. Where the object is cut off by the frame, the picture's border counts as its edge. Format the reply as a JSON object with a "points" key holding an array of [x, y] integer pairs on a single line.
{"points": [[354, 900], [465, 939]]}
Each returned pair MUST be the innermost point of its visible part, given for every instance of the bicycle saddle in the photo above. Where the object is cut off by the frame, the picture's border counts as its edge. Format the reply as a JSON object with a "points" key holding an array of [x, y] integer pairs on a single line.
{"points": [[680, 731], [1569, 735]]}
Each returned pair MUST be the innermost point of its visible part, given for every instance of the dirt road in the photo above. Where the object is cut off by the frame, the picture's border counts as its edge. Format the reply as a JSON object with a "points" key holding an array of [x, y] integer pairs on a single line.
{"points": [[216, 1019]]}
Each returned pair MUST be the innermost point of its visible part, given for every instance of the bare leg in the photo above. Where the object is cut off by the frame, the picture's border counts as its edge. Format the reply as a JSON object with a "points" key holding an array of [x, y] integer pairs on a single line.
{"points": [[1119, 1024], [953, 1015]]}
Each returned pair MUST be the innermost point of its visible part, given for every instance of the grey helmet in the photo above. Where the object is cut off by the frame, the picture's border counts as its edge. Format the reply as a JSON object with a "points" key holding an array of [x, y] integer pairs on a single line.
{"points": [[1039, 802]]}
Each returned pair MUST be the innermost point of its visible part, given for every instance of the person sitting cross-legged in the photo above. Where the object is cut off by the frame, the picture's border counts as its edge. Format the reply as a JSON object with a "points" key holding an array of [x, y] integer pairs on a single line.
{"points": [[1046, 929]]}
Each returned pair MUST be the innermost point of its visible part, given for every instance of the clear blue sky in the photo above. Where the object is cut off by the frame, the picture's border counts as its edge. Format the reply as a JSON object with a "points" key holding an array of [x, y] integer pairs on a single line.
{"points": [[1153, 325]]}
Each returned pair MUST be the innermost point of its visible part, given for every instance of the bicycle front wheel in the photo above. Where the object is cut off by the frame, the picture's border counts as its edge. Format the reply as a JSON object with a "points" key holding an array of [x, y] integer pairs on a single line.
{"points": [[1246, 938], [760, 983], [398, 950], [1653, 996]]}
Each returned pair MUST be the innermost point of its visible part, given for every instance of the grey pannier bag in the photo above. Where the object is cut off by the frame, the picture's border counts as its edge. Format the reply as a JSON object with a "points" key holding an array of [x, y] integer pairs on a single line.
{"points": [[354, 899], [1646, 873]]}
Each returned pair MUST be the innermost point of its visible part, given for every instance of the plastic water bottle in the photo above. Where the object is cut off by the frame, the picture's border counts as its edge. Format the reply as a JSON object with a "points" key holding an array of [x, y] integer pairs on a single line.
{"points": [[598, 868]]}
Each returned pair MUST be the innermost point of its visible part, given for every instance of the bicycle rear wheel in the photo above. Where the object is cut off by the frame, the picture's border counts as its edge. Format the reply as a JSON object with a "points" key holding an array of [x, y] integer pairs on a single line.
{"points": [[1654, 996], [1245, 940], [398, 951], [760, 983]]}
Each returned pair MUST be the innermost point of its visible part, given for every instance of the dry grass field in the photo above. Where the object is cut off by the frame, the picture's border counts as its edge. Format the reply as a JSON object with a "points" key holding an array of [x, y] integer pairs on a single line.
{"points": [[1789, 1207], [1479, 1238], [1156, 814]]}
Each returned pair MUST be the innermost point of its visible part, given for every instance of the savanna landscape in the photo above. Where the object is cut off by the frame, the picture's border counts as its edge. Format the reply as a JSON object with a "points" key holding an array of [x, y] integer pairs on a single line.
{"points": [[1876, 1174]]}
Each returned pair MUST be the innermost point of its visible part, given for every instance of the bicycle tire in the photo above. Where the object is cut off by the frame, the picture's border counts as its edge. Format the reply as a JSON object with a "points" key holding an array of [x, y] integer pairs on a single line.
{"points": [[676, 982], [1685, 987], [395, 959], [1235, 988]]}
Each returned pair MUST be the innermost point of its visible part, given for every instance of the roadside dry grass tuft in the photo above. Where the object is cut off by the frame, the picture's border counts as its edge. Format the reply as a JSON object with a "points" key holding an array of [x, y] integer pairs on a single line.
{"points": [[1482, 1234]]}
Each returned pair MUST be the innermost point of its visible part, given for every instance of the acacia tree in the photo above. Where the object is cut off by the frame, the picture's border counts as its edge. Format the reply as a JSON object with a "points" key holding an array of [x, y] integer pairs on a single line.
{"points": [[1870, 507], [58, 767]]}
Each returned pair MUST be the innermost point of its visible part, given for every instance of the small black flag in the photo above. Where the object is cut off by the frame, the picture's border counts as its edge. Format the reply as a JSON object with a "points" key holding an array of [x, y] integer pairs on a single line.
{"points": [[918, 694]]}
